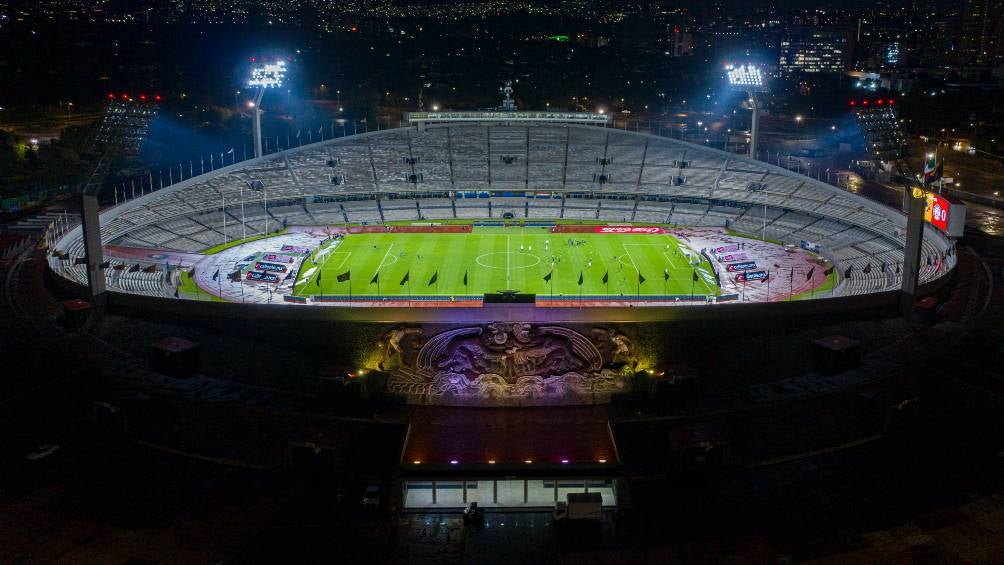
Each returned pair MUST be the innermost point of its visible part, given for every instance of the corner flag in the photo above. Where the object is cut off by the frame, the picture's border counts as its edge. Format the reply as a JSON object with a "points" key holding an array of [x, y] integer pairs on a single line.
{"points": [[695, 275], [342, 277], [547, 277], [580, 278], [606, 277], [435, 277], [641, 279], [376, 278], [407, 277], [465, 278]]}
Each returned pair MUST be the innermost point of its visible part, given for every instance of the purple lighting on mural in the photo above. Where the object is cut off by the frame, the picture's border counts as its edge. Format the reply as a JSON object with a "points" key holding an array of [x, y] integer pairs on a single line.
{"points": [[453, 461]]}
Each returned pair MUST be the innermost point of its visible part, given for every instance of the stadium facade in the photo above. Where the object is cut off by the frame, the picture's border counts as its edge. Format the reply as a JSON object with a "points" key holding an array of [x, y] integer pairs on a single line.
{"points": [[540, 375]]}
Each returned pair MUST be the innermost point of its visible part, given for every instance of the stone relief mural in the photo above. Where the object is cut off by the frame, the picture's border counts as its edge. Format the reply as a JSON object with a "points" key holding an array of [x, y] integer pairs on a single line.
{"points": [[504, 363]]}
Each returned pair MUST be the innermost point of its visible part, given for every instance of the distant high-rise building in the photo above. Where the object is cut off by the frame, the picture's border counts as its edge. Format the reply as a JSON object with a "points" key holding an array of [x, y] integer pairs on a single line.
{"points": [[815, 50], [683, 43], [980, 29]]}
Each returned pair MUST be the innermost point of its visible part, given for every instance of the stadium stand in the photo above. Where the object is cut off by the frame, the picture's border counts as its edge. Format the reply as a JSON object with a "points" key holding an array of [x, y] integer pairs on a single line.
{"points": [[480, 171]]}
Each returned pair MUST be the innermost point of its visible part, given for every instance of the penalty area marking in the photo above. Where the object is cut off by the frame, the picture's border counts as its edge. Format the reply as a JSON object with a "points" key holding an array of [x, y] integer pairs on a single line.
{"points": [[664, 253], [384, 260], [347, 254]]}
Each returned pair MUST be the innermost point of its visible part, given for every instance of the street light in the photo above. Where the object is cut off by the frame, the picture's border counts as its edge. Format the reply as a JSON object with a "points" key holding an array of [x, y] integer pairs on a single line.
{"points": [[751, 80], [263, 77]]}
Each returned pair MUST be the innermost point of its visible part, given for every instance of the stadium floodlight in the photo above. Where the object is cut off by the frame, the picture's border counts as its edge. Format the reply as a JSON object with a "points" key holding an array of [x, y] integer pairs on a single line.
{"points": [[752, 80], [747, 78], [264, 77], [269, 75]]}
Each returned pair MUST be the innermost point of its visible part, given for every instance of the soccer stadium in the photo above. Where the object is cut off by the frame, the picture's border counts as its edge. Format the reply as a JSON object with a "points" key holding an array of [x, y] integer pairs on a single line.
{"points": [[491, 289], [441, 214]]}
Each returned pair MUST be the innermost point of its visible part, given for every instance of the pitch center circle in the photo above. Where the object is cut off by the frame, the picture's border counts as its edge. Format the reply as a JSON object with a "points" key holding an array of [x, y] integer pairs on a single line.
{"points": [[507, 260]]}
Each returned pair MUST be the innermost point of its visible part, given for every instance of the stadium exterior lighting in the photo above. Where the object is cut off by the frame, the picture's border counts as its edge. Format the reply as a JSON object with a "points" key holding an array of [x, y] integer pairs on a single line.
{"points": [[263, 77], [751, 80]]}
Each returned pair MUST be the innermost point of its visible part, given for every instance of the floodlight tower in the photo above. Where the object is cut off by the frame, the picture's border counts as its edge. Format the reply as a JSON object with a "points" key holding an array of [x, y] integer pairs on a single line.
{"points": [[751, 80], [263, 77]]}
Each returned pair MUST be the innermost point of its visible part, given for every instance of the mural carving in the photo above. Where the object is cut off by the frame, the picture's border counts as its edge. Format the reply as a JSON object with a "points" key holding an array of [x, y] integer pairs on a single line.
{"points": [[505, 363]]}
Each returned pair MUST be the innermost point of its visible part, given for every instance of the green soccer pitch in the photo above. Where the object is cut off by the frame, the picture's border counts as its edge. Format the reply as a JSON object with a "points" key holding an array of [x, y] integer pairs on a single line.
{"points": [[500, 258]]}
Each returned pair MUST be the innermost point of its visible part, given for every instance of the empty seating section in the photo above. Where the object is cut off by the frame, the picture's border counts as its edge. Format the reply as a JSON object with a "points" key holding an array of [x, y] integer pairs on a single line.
{"points": [[326, 213], [472, 208], [687, 214], [661, 180], [362, 211], [544, 208]]}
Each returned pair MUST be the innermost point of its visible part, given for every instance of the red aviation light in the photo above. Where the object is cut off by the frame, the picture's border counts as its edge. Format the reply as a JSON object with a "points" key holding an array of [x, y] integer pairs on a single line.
{"points": [[853, 103]]}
